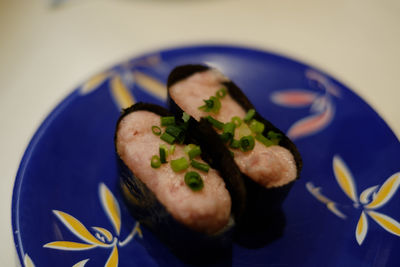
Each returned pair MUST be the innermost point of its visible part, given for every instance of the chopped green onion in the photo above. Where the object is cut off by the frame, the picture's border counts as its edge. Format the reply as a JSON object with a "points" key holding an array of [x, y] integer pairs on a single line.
{"points": [[165, 147], [216, 123], [228, 131], [217, 104], [156, 130], [168, 120], [199, 165], [249, 115], [237, 121], [188, 147], [275, 137], [211, 105], [180, 164], [247, 143], [221, 93], [172, 150], [193, 181], [235, 143], [229, 128], [163, 153], [181, 137], [168, 138], [275, 141], [194, 152], [264, 140], [256, 126], [225, 137], [244, 130], [173, 130], [155, 162], [185, 117], [208, 106]]}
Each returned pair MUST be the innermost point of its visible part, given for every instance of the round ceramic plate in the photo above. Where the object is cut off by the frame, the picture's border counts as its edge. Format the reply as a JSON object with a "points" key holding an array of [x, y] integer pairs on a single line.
{"points": [[343, 211]]}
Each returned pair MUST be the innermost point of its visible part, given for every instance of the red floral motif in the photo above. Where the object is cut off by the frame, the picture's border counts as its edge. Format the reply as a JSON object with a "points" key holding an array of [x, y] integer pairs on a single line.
{"points": [[321, 105]]}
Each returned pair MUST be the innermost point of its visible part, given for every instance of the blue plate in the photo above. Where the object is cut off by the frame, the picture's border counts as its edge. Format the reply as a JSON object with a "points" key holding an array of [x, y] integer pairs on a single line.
{"points": [[344, 211]]}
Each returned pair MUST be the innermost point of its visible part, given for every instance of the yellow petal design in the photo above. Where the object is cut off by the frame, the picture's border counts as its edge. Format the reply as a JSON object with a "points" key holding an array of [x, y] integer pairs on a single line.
{"points": [[77, 228], [139, 230], [344, 178], [362, 228], [104, 232], [81, 263], [386, 222], [113, 259], [67, 245], [386, 192], [366, 194], [135, 230], [111, 207], [150, 84], [94, 82], [28, 261], [316, 192], [120, 93], [332, 207]]}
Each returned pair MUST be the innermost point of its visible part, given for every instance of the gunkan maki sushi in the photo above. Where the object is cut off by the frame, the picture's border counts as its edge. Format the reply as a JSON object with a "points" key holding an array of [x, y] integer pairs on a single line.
{"points": [[268, 160], [168, 186]]}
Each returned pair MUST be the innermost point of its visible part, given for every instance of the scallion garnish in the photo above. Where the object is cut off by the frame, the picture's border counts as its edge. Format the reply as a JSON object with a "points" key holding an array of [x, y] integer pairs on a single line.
{"points": [[185, 117], [216, 123], [264, 140], [211, 105], [173, 130], [247, 143], [221, 93], [172, 149], [155, 162], [244, 130], [237, 121], [256, 126], [200, 166], [234, 143], [156, 130], [168, 138], [249, 115], [229, 128], [188, 147], [274, 137], [193, 181], [225, 137], [163, 153], [193, 151], [168, 120], [180, 164], [228, 131]]}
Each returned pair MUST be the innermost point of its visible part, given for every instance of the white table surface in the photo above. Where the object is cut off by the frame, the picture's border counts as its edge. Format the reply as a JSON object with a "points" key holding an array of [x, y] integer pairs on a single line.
{"points": [[46, 52]]}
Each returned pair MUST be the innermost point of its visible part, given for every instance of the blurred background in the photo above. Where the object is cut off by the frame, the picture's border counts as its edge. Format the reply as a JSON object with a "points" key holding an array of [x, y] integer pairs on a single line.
{"points": [[47, 48]]}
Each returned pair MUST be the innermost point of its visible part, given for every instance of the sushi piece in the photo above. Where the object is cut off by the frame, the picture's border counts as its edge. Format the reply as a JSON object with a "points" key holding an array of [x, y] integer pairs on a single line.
{"points": [[268, 160], [168, 186]]}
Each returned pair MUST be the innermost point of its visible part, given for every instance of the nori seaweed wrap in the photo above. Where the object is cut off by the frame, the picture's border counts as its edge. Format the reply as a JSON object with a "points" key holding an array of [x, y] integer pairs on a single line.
{"points": [[194, 242], [263, 219]]}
